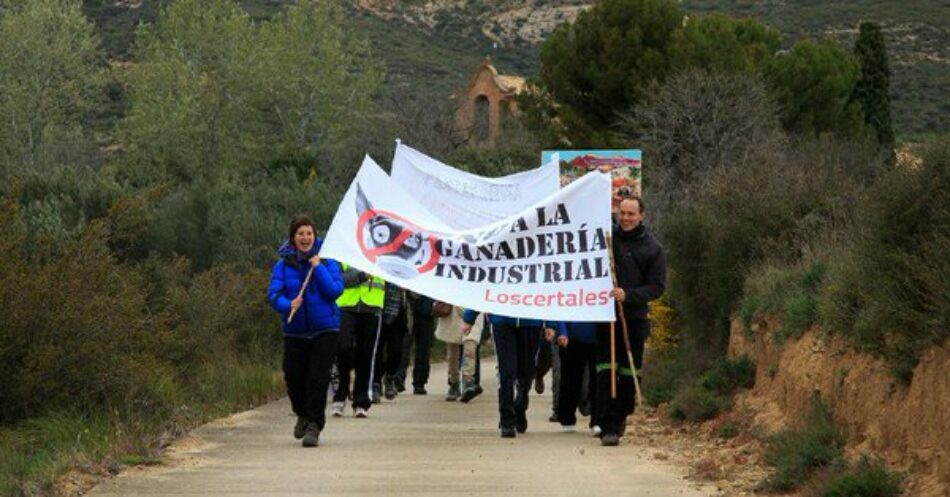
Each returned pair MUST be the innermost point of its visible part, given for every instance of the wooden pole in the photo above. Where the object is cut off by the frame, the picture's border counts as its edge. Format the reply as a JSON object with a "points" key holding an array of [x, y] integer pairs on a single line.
{"points": [[623, 324], [303, 287]]}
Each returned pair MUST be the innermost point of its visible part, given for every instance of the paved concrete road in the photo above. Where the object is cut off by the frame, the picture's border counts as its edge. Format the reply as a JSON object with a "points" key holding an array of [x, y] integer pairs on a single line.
{"points": [[413, 446]]}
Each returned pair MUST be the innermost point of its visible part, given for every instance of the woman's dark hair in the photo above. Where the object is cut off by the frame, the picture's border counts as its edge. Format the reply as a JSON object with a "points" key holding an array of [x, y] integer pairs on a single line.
{"points": [[296, 224]]}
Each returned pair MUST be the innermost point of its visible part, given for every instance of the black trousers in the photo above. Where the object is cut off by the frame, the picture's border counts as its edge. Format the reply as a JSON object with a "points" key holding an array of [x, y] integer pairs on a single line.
{"points": [[307, 364], [576, 359], [364, 328], [423, 328], [612, 413], [389, 351], [515, 348]]}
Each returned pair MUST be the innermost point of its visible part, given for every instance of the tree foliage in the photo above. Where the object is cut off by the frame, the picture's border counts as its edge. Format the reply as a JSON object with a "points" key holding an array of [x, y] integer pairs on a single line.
{"points": [[213, 95], [243, 119], [604, 61], [617, 53], [720, 43], [696, 123], [872, 90], [812, 83], [51, 79]]}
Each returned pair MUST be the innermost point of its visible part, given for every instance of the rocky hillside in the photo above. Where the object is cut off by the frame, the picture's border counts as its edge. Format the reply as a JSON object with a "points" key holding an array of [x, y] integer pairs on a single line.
{"points": [[906, 425], [433, 45], [918, 36]]}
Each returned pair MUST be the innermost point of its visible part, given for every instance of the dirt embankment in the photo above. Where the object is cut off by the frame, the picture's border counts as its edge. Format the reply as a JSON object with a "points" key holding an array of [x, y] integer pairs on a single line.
{"points": [[907, 426]]}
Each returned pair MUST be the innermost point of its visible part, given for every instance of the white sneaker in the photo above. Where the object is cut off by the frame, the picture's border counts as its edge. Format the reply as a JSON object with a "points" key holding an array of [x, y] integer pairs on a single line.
{"points": [[595, 430], [568, 428], [360, 413], [337, 409]]}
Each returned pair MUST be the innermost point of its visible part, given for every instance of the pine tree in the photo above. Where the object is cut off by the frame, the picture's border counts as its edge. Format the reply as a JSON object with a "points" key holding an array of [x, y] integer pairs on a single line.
{"points": [[873, 86]]}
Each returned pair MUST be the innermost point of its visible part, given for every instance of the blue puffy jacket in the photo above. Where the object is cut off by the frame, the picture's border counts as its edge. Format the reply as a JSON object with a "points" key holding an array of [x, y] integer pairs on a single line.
{"points": [[319, 312]]}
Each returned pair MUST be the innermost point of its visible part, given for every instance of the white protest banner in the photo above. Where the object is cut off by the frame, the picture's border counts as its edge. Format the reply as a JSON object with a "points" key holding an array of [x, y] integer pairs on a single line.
{"points": [[549, 261], [464, 200]]}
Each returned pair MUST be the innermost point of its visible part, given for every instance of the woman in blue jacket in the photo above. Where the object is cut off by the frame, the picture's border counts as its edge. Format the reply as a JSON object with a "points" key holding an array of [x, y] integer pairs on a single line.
{"points": [[310, 338]]}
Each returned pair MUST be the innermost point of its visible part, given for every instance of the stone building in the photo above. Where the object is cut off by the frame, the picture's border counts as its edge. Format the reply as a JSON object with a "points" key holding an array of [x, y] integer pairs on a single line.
{"points": [[488, 99]]}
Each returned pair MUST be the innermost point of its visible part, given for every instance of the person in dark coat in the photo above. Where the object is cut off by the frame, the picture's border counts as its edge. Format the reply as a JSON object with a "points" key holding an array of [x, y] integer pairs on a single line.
{"points": [[310, 338], [641, 277]]}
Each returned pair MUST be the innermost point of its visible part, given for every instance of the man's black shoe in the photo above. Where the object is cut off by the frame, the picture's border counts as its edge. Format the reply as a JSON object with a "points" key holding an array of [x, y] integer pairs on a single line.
{"points": [[468, 393], [390, 391], [609, 440], [522, 426], [400, 384], [553, 418], [300, 428], [507, 432], [418, 390], [311, 437]]}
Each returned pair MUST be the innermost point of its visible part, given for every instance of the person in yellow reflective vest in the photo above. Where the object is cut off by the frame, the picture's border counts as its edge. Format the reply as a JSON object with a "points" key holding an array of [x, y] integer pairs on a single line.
{"points": [[361, 307]]}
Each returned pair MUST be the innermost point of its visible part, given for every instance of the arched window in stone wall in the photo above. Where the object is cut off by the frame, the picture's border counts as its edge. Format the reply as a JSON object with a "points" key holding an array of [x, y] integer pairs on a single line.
{"points": [[481, 124], [503, 115]]}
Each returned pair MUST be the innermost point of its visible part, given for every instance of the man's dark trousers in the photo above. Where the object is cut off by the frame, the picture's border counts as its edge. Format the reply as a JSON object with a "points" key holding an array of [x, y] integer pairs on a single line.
{"points": [[515, 347], [576, 358], [612, 413], [365, 328], [423, 328], [389, 350]]}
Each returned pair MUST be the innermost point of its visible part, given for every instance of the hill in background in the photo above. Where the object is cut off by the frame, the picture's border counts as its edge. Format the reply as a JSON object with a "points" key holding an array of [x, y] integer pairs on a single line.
{"points": [[431, 47]]}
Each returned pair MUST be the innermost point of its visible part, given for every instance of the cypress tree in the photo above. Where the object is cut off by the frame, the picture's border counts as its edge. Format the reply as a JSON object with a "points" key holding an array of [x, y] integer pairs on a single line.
{"points": [[873, 86]]}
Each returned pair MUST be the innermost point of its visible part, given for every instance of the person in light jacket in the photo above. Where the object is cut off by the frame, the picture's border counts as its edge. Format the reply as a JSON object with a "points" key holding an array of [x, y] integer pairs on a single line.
{"points": [[449, 330]]}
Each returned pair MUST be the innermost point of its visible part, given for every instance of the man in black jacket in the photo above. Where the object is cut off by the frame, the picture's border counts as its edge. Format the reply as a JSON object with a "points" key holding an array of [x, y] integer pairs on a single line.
{"points": [[641, 277]]}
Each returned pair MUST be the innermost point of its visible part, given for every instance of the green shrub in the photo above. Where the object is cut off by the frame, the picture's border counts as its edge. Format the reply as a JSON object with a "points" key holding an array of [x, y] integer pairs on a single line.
{"points": [[695, 403], [789, 292], [75, 331], [666, 372], [888, 290], [771, 207], [726, 375], [797, 453], [866, 480], [728, 430]]}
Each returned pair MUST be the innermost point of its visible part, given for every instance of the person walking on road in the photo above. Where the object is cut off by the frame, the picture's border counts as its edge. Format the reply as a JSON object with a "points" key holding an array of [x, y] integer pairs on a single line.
{"points": [[303, 290], [361, 309], [461, 350], [423, 329], [575, 341], [389, 352], [516, 346], [641, 277]]}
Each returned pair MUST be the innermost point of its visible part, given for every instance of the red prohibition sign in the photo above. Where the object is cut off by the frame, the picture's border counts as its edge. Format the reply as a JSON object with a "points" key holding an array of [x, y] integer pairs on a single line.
{"points": [[408, 230]]}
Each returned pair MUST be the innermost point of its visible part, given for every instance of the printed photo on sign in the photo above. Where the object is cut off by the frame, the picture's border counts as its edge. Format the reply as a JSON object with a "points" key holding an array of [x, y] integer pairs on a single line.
{"points": [[624, 167]]}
